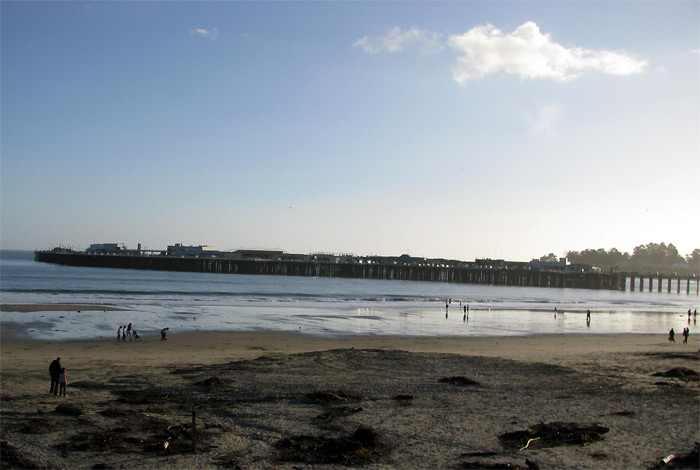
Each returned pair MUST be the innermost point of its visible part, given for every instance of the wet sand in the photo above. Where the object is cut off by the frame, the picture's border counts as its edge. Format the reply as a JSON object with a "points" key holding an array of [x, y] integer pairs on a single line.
{"points": [[279, 400]]}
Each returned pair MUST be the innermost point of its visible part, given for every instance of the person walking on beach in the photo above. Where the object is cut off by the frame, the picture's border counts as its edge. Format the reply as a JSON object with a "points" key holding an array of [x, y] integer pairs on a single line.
{"points": [[62, 382], [686, 332], [588, 317], [54, 372], [124, 333], [164, 332], [671, 336], [119, 333], [128, 331]]}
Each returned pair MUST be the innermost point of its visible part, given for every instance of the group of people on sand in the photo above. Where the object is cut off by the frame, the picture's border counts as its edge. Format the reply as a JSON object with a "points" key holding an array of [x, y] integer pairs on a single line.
{"points": [[125, 331], [672, 335], [59, 378], [686, 331]]}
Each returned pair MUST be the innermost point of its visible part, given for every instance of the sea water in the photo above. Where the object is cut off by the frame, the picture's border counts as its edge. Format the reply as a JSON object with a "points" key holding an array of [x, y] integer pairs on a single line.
{"points": [[152, 300]]}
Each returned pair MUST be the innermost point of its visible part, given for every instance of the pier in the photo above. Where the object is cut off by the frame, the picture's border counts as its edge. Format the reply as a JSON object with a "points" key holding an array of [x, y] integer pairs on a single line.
{"points": [[656, 282], [518, 274]]}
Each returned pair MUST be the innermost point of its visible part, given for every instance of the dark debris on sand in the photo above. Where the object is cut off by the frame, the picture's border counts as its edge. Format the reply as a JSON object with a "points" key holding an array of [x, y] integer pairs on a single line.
{"points": [[212, 382], [146, 435], [682, 373], [37, 426], [459, 380], [334, 397], [11, 456], [476, 464], [553, 434], [361, 448], [691, 460]]}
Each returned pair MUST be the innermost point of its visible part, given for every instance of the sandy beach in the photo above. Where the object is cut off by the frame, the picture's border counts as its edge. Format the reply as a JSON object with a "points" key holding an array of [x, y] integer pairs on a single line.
{"points": [[290, 401]]}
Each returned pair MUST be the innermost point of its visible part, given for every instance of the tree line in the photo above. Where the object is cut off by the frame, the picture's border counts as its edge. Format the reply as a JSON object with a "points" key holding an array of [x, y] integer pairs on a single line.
{"points": [[652, 257]]}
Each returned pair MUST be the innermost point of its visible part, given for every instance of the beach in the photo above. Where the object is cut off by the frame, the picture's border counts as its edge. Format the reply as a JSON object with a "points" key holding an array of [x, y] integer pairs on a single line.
{"points": [[290, 401]]}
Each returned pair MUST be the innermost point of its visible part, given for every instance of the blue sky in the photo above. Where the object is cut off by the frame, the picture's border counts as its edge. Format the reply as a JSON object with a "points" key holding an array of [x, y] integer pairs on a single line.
{"points": [[439, 129]]}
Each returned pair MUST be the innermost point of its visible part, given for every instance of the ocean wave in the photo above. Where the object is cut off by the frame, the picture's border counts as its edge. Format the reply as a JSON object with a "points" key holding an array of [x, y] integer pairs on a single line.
{"points": [[210, 295]]}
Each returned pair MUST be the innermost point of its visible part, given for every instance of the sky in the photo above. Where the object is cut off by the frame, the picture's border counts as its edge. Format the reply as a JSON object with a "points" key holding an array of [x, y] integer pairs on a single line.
{"points": [[459, 130]]}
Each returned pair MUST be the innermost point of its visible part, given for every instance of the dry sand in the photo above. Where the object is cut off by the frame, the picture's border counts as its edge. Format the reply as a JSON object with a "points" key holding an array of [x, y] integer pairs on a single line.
{"points": [[261, 407]]}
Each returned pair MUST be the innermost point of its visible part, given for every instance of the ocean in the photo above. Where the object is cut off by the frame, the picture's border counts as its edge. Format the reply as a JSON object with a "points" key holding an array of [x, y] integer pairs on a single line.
{"points": [[152, 300]]}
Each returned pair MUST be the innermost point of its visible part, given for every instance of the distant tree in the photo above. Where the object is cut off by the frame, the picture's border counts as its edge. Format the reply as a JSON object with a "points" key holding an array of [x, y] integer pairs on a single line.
{"points": [[600, 258], [656, 255], [549, 258], [650, 257], [693, 260]]}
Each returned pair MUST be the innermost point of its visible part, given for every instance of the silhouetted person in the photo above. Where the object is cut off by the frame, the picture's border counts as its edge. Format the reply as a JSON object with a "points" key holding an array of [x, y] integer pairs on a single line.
{"points": [[164, 332], [686, 332], [54, 372], [671, 336]]}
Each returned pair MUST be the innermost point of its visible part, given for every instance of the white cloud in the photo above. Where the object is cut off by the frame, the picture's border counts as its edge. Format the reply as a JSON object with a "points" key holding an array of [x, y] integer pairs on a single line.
{"points": [[206, 33], [528, 53], [397, 40]]}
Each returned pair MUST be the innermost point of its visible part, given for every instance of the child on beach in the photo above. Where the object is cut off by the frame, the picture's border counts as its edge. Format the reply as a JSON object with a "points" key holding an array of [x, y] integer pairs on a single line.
{"points": [[62, 382]]}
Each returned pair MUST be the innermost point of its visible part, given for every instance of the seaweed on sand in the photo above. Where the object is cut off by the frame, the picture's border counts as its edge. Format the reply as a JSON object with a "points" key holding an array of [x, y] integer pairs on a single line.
{"points": [[37, 426], [11, 455], [334, 397], [144, 435], [496, 465], [333, 413], [212, 382], [682, 373], [553, 434], [459, 380], [360, 448], [682, 461]]}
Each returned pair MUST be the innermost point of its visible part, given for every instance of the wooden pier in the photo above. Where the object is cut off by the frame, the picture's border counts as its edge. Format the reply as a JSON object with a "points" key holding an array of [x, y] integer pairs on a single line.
{"points": [[464, 273], [656, 282]]}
